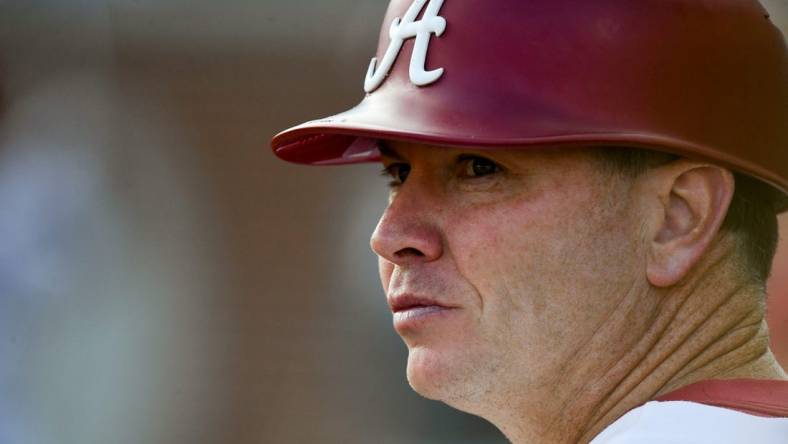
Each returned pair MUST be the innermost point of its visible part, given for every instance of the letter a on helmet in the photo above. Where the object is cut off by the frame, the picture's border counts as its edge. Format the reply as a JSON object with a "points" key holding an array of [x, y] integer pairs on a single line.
{"points": [[407, 28]]}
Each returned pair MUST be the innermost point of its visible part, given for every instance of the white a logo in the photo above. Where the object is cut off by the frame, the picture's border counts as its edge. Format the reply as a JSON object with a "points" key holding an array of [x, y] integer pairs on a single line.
{"points": [[404, 29]]}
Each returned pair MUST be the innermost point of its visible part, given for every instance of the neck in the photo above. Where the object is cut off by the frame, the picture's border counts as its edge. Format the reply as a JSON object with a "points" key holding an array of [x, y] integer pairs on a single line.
{"points": [[697, 331]]}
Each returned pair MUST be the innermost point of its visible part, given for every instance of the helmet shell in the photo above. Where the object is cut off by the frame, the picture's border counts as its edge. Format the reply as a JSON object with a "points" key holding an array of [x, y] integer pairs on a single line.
{"points": [[703, 79]]}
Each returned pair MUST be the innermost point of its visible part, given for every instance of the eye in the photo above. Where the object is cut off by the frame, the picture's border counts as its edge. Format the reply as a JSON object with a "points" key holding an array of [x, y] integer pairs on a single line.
{"points": [[398, 171], [474, 166]]}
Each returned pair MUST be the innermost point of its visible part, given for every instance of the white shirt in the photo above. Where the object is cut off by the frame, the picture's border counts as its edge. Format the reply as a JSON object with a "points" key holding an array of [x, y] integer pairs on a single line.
{"points": [[680, 422]]}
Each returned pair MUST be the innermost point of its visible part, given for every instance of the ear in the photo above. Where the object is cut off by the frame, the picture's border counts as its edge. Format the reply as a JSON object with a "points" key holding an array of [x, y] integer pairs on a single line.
{"points": [[694, 199]]}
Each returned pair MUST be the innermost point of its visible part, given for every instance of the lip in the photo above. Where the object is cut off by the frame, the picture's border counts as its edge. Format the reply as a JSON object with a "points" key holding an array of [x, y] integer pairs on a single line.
{"points": [[406, 302], [411, 311]]}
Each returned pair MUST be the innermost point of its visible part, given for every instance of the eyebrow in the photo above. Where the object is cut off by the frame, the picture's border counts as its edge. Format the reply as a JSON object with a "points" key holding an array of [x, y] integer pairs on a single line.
{"points": [[387, 151]]}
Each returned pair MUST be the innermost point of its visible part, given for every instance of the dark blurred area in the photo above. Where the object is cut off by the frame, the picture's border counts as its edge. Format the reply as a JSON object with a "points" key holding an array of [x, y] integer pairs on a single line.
{"points": [[163, 278]]}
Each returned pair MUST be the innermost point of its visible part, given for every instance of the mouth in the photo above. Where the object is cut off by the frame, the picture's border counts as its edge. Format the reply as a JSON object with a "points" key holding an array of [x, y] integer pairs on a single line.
{"points": [[414, 311], [406, 302]]}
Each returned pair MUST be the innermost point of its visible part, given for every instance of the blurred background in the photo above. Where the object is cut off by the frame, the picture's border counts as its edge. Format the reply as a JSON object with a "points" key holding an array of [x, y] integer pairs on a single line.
{"points": [[163, 278]]}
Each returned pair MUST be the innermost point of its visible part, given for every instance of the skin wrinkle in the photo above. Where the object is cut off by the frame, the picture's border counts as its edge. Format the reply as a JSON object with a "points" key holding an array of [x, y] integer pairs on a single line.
{"points": [[658, 334], [756, 325], [694, 327], [647, 343], [612, 369], [669, 353], [564, 372], [450, 251], [731, 348], [651, 370], [561, 377], [662, 337], [584, 388], [613, 396], [734, 347], [760, 355], [570, 334]]}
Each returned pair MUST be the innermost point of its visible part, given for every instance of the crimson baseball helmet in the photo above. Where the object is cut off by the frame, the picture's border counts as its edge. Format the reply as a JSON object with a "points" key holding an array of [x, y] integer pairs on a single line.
{"points": [[702, 79]]}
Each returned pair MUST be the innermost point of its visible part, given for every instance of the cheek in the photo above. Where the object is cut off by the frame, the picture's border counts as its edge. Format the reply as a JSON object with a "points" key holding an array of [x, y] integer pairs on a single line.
{"points": [[528, 260], [496, 250]]}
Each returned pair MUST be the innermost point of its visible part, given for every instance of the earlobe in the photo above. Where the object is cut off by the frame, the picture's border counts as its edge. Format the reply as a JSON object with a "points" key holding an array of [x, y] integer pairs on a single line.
{"points": [[695, 199]]}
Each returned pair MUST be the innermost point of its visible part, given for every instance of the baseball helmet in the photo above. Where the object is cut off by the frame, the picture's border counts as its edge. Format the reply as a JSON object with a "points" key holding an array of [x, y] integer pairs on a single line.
{"points": [[702, 79]]}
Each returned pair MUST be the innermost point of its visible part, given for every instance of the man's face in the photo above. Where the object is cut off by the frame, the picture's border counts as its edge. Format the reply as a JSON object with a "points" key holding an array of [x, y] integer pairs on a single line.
{"points": [[502, 265]]}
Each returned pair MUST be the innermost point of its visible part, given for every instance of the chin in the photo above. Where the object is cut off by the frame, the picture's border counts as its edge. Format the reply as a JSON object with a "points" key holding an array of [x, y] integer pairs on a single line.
{"points": [[446, 376], [427, 373]]}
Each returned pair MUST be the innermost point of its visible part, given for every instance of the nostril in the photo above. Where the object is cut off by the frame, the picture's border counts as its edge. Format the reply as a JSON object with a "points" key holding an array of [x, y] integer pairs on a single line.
{"points": [[405, 252]]}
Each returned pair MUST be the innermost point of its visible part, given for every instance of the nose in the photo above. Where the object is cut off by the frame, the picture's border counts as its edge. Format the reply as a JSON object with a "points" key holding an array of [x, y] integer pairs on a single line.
{"points": [[407, 232]]}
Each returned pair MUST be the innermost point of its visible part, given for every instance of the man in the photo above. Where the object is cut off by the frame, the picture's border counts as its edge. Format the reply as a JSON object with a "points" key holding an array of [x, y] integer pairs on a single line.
{"points": [[582, 213]]}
